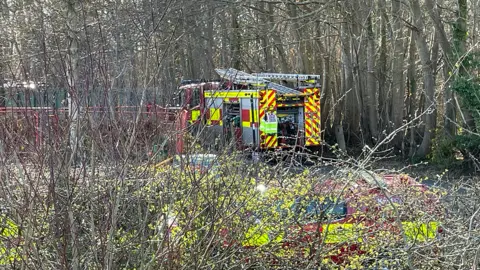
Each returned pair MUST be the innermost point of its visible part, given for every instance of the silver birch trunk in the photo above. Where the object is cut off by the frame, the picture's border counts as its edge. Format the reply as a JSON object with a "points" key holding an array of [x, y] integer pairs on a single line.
{"points": [[371, 99], [73, 23]]}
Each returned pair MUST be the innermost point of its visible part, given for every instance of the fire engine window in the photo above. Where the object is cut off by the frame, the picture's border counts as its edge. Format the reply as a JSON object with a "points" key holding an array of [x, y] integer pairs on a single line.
{"points": [[231, 114], [281, 209], [180, 98], [195, 98], [288, 125], [313, 209], [334, 210], [304, 208]]}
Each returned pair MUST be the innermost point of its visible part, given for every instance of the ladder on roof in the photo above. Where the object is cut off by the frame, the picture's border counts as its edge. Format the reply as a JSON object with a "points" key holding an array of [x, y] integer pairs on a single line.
{"points": [[288, 77], [241, 77]]}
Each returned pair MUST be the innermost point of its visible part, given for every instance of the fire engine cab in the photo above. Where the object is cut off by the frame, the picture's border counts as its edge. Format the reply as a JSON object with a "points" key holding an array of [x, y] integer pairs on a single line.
{"points": [[253, 111]]}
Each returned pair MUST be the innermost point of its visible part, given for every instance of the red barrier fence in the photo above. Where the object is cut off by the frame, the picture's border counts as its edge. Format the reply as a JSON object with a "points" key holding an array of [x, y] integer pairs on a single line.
{"points": [[25, 129]]}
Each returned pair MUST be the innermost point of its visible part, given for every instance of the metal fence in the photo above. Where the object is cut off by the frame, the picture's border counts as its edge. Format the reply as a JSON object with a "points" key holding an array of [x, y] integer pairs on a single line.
{"points": [[30, 119], [56, 98]]}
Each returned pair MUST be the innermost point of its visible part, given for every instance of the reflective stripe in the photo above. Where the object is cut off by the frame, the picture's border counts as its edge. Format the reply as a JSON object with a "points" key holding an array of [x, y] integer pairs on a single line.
{"points": [[419, 232], [335, 233], [230, 94], [215, 117], [256, 236], [215, 114], [290, 105], [195, 115], [268, 119], [312, 117], [271, 141], [338, 232]]}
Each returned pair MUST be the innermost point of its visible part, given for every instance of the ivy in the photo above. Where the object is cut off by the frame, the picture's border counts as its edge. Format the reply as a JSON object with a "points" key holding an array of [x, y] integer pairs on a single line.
{"points": [[469, 90], [468, 143]]}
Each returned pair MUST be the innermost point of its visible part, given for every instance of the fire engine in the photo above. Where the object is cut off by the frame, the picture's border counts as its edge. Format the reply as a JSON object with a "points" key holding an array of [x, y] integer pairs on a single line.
{"points": [[253, 111], [249, 109]]}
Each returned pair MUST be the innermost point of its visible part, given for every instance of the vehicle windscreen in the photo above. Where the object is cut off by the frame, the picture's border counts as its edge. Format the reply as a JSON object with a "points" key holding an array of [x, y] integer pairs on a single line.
{"points": [[310, 210], [194, 162]]}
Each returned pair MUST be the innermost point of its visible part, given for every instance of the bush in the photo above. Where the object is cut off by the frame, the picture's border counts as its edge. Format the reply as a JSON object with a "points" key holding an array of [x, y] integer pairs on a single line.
{"points": [[469, 145], [443, 154], [463, 151]]}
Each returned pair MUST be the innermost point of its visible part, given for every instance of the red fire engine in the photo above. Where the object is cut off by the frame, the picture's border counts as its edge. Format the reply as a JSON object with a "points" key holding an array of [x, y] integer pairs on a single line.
{"points": [[254, 111]]}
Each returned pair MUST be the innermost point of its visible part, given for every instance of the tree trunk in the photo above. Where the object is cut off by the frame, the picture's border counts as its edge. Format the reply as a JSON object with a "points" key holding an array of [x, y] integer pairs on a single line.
{"points": [[371, 99], [277, 40], [338, 103], [428, 79], [301, 58], [412, 90], [448, 96], [397, 70], [235, 45], [210, 18], [224, 59], [327, 77], [75, 138], [267, 50], [434, 60], [383, 101], [348, 86], [460, 41], [2, 78], [326, 90]]}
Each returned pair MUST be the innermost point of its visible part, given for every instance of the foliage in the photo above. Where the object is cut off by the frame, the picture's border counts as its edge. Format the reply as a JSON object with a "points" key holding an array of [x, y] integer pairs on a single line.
{"points": [[265, 220], [452, 153], [469, 90], [444, 153], [469, 145], [235, 214]]}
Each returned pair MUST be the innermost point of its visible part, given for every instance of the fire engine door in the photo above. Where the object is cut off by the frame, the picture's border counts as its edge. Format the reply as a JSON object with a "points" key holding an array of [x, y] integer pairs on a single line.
{"points": [[232, 123], [194, 105], [268, 119]]}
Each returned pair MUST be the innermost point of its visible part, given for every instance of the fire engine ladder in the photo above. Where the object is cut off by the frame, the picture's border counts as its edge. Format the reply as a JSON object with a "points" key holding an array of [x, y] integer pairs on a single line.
{"points": [[288, 77], [241, 77]]}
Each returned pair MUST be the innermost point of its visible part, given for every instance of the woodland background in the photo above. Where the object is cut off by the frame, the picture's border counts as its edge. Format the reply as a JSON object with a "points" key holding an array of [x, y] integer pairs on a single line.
{"points": [[399, 79], [401, 71]]}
